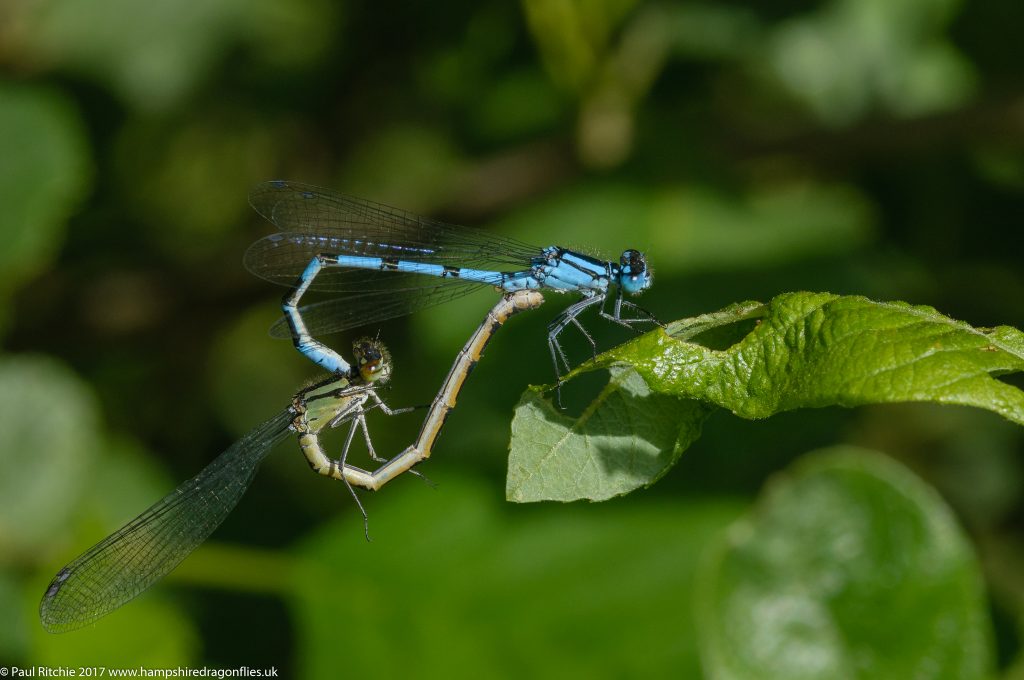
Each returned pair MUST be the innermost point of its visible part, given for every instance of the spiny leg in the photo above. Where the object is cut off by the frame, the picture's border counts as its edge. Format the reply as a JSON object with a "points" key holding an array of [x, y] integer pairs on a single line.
{"points": [[559, 325], [616, 315], [590, 339], [309, 443], [359, 420], [647, 318], [379, 403], [563, 320], [387, 410]]}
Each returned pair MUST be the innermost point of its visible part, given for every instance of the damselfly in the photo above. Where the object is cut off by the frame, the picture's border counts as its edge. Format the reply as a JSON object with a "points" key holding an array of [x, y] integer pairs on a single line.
{"points": [[384, 263], [146, 549], [444, 402]]}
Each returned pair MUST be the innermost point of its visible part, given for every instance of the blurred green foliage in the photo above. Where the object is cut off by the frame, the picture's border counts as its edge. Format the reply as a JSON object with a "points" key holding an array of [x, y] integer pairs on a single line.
{"points": [[860, 147], [44, 171], [463, 584], [49, 423], [849, 567]]}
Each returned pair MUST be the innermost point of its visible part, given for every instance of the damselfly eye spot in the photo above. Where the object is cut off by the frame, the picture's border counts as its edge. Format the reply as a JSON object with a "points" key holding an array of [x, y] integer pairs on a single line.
{"points": [[634, 276], [633, 262]]}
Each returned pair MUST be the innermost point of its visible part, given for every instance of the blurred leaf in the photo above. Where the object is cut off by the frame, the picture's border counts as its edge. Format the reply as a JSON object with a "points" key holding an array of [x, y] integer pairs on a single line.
{"points": [[122, 481], [13, 634], [155, 53], [706, 230], [290, 34], [48, 443], [192, 196], [572, 592], [44, 171], [627, 438], [409, 166], [128, 480], [518, 105], [701, 229], [151, 633], [1002, 166], [588, 218], [808, 350], [712, 30], [458, 72], [442, 333], [850, 567], [853, 55], [572, 35], [970, 456], [254, 375], [235, 568]]}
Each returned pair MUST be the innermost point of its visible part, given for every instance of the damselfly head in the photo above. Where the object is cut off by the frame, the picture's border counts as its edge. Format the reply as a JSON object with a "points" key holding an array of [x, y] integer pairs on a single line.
{"points": [[372, 360], [634, 276]]}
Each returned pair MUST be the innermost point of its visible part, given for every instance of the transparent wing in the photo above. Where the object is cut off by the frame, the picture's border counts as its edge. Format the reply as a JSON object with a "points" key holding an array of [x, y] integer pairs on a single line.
{"points": [[353, 311], [143, 551], [334, 223]]}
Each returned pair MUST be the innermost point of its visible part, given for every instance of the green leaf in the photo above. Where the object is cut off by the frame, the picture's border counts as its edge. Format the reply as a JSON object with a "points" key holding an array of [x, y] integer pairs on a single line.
{"points": [[817, 349], [153, 633], [453, 578], [572, 37], [700, 229], [49, 440], [416, 167], [627, 438], [802, 350], [13, 631], [251, 373], [44, 170], [850, 567], [850, 56], [192, 162], [154, 54]]}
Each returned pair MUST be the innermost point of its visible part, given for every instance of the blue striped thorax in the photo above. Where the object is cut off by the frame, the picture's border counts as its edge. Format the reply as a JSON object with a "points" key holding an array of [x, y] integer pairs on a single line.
{"points": [[565, 271], [633, 274]]}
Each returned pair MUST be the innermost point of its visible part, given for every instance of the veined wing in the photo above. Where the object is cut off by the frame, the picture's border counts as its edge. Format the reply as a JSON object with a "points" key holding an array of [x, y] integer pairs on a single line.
{"points": [[146, 549], [355, 310], [332, 222]]}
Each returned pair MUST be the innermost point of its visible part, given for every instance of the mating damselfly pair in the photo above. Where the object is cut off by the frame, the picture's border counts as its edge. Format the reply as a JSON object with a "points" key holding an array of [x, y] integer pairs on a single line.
{"points": [[381, 263]]}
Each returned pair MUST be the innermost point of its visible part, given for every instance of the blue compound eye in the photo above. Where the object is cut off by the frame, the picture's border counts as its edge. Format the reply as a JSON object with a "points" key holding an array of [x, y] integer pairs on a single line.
{"points": [[633, 263], [633, 273]]}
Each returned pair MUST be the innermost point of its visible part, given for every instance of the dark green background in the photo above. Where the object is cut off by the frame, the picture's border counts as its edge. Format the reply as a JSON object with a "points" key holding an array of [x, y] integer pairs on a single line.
{"points": [[855, 146]]}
